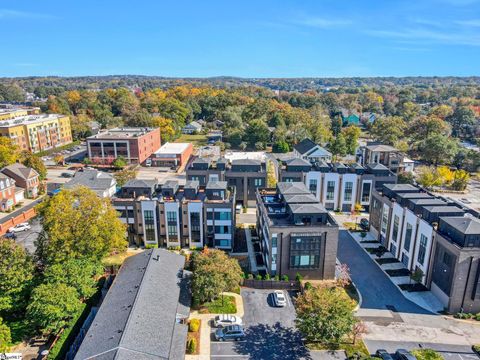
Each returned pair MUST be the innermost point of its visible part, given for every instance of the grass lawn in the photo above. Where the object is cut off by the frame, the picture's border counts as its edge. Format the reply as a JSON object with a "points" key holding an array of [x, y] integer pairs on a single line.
{"points": [[196, 140], [117, 259], [229, 306], [348, 347]]}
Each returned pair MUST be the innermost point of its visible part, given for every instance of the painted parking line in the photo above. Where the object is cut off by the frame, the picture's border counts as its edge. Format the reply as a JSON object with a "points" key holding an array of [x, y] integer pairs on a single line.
{"points": [[229, 356]]}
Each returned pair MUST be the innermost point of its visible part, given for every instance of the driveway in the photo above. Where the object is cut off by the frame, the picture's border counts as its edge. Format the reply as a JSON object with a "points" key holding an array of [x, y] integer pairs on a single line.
{"points": [[270, 331], [377, 291]]}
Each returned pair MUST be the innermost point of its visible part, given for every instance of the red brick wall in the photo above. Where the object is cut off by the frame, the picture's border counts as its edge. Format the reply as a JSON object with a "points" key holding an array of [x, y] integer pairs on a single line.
{"points": [[23, 217], [145, 145], [185, 156]]}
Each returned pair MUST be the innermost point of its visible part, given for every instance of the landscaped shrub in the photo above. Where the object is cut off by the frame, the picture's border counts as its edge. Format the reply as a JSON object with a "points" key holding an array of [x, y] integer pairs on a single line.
{"points": [[463, 315], [250, 277], [267, 277], [194, 325], [427, 354], [285, 277], [308, 285], [298, 277], [276, 278], [258, 277], [151, 246], [477, 316], [363, 234], [476, 348], [192, 346]]}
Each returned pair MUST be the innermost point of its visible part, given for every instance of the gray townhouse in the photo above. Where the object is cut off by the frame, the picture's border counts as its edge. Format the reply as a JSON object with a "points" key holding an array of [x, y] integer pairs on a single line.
{"points": [[336, 185], [171, 215], [246, 175], [297, 233], [432, 235]]}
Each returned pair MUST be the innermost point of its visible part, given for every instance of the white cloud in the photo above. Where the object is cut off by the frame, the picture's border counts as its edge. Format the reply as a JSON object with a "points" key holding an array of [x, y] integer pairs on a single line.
{"points": [[15, 14], [322, 23]]}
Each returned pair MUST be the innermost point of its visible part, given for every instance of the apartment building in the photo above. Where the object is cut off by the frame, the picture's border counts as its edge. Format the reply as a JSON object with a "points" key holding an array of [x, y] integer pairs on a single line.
{"points": [[135, 145], [433, 236], [246, 175], [37, 132], [173, 215], [297, 233], [10, 111], [336, 185]]}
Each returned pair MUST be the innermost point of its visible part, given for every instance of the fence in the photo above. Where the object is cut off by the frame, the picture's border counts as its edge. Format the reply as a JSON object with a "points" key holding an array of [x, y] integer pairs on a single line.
{"points": [[272, 284], [23, 217]]}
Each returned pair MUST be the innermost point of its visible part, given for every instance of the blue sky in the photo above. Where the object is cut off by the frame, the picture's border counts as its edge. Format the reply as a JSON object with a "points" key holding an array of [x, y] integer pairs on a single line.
{"points": [[247, 38]]}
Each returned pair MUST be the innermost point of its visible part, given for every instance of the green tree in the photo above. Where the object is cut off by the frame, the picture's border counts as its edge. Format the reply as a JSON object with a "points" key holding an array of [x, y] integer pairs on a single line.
{"points": [[405, 177], [338, 146], [425, 126], [438, 149], [462, 121], [16, 273], [388, 129], [9, 152], [52, 305], [120, 162], [125, 175], [5, 337], [77, 224], [325, 315], [428, 177], [35, 162], [351, 135], [280, 146], [337, 124], [213, 273], [257, 131], [77, 273]]}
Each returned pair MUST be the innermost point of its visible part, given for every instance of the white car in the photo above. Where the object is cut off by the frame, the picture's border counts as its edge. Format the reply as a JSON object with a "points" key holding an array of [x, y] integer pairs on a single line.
{"points": [[20, 227], [279, 298], [227, 320]]}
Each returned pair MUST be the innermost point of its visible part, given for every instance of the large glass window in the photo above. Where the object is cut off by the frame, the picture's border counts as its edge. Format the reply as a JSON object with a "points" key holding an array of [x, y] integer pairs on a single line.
{"points": [[408, 237], [348, 191], [223, 229], [195, 226], [305, 253], [149, 225], [313, 186], [223, 215], [171, 216], [366, 191], [422, 249], [384, 220], [172, 223], [396, 220], [258, 182], [330, 190], [172, 230]]}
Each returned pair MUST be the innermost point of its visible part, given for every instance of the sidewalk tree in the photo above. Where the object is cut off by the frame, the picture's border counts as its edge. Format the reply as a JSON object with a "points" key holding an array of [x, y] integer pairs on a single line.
{"points": [[16, 273], [119, 162], [77, 224], [5, 337], [79, 274], [214, 272], [52, 305], [325, 315]]}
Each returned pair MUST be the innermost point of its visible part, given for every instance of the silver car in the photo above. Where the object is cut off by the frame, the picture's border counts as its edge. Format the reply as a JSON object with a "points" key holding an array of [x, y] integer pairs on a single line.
{"points": [[279, 298], [227, 320]]}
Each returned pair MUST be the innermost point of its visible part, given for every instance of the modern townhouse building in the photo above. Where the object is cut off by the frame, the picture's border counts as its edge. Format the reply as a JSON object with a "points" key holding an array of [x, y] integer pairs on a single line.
{"points": [[389, 156], [309, 150], [297, 233], [37, 132], [336, 185], [246, 175], [135, 145], [175, 215], [432, 236]]}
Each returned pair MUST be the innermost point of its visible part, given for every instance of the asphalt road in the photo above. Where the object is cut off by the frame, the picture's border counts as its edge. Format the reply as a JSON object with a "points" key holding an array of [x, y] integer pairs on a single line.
{"points": [[378, 292], [270, 331], [27, 238]]}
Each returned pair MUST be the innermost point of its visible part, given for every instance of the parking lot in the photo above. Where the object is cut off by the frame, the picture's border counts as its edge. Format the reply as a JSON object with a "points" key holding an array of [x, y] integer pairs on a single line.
{"points": [[27, 238], [270, 331]]}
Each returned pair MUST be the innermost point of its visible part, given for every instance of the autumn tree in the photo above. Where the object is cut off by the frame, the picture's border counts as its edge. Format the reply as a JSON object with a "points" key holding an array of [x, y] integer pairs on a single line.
{"points": [[9, 152], [338, 146], [351, 135], [35, 162], [460, 180], [388, 129], [214, 272], [125, 175], [438, 149], [77, 224], [462, 121], [16, 273], [52, 306], [5, 337], [325, 315]]}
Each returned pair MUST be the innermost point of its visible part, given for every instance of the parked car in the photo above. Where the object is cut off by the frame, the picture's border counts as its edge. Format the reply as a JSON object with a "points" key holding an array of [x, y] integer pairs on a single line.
{"points": [[232, 332], [10, 235], [364, 224], [279, 298], [227, 320], [402, 354], [66, 175], [383, 354], [20, 227]]}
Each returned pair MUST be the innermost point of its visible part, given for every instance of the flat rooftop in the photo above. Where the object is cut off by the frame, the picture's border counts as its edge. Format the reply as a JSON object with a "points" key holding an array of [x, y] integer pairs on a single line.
{"points": [[172, 148], [29, 119], [251, 155], [121, 133]]}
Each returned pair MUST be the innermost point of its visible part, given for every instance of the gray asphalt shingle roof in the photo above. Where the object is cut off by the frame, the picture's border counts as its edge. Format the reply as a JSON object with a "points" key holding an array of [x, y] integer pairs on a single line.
{"points": [[139, 317], [307, 208], [20, 170], [304, 146], [92, 179], [288, 188]]}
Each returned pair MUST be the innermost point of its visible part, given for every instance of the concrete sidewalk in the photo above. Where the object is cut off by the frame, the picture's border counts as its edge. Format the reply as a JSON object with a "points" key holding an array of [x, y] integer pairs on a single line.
{"points": [[206, 328]]}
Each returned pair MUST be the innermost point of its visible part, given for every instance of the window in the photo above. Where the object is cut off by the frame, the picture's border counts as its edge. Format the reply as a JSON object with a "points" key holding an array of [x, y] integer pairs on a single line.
{"points": [[223, 215], [366, 186], [447, 259], [396, 220], [225, 229], [149, 225], [171, 216], [305, 252], [258, 182], [405, 260], [213, 177], [330, 190], [384, 220], [422, 249], [347, 196], [172, 230], [274, 240], [313, 186], [408, 237]]}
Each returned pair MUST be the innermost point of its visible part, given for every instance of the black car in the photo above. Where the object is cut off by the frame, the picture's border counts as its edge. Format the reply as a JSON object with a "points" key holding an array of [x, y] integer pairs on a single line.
{"points": [[383, 354], [364, 224], [402, 354]]}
